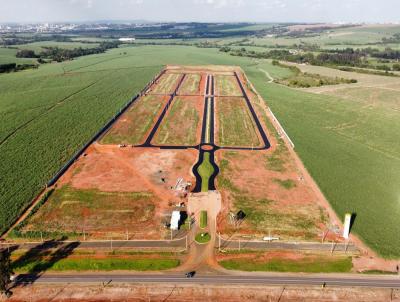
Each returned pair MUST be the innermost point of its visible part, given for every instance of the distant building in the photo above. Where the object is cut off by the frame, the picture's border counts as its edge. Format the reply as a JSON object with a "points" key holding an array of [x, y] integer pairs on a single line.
{"points": [[176, 216], [129, 40]]}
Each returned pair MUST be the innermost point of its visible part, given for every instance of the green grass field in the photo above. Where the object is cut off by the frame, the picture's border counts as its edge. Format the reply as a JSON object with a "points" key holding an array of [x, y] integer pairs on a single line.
{"points": [[136, 122], [357, 168], [235, 124], [202, 237], [205, 170], [7, 55], [40, 264], [203, 219], [318, 264], [180, 126]]}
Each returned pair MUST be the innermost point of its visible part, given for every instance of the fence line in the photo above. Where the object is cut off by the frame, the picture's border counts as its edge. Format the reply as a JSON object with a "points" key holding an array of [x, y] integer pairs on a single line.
{"points": [[281, 128], [103, 130]]}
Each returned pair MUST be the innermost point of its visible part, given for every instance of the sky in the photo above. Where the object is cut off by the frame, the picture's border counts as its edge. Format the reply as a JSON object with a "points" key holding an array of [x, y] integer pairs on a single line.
{"points": [[371, 11]]}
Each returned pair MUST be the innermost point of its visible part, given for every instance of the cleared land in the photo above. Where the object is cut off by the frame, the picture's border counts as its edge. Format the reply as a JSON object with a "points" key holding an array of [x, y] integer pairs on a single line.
{"points": [[181, 125], [110, 192], [77, 210], [235, 125], [226, 86], [335, 160], [132, 127], [191, 85], [167, 83]]}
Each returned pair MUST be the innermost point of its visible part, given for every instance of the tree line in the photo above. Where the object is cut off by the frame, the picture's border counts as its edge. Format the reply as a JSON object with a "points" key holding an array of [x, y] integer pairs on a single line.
{"points": [[61, 54]]}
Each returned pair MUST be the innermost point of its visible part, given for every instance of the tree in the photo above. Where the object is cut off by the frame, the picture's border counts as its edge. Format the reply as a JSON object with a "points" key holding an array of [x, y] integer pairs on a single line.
{"points": [[396, 67], [5, 271], [26, 53]]}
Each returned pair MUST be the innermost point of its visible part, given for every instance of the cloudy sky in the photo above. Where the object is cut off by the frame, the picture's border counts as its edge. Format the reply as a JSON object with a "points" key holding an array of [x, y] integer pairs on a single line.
{"points": [[201, 10]]}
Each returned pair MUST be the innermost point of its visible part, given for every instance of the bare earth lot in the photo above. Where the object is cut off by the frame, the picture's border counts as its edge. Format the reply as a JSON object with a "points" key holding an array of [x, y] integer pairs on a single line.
{"points": [[114, 190]]}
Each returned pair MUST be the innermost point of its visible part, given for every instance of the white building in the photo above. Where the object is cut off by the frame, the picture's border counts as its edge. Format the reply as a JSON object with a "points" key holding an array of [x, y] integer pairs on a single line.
{"points": [[176, 216], [130, 40]]}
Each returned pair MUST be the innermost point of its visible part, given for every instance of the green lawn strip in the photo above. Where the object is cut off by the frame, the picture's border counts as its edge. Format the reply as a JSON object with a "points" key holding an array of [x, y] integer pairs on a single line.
{"points": [[314, 265], [378, 272], [203, 219], [205, 170], [202, 237], [109, 264]]}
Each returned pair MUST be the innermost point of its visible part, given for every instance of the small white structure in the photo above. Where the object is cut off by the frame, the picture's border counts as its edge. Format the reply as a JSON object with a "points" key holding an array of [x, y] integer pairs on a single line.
{"points": [[176, 216], [269, 238], [346, 229], [129, 40]]}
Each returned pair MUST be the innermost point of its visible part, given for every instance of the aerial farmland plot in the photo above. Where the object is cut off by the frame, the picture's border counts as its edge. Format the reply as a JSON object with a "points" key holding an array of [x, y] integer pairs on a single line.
{"points": [[192, 84], [167, 83], [136, 122], [226, 85], [182, 124], [124, 185], [235, 124]]}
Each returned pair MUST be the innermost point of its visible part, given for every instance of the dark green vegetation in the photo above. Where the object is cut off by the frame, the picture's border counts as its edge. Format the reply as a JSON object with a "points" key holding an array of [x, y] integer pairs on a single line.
{"points": [[203, 219], [316, 264], [350, 149], [305, 80], [205, 170], [202, 237], [136, 122], [49, 113]]}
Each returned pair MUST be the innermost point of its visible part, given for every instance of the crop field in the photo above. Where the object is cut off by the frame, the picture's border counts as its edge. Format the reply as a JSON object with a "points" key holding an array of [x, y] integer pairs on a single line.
{"points": [[235, 124], [7, 55], [136, 122], [227, 86], [191, 85], [167, 83], [181, 126], [352, 165], [349, 145]]}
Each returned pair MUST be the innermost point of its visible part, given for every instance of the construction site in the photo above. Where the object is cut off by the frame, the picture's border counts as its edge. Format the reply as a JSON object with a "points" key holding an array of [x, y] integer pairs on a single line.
{"points": [[199, 163]]}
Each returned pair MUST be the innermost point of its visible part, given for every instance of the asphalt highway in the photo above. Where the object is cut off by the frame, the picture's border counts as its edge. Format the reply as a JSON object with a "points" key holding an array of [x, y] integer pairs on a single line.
{"points": [[265, 279]]}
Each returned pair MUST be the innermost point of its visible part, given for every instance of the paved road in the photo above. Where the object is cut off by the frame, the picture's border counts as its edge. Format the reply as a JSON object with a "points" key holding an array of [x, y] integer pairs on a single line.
{"points": [[303, 246], [267, 279], [104, 244]]}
